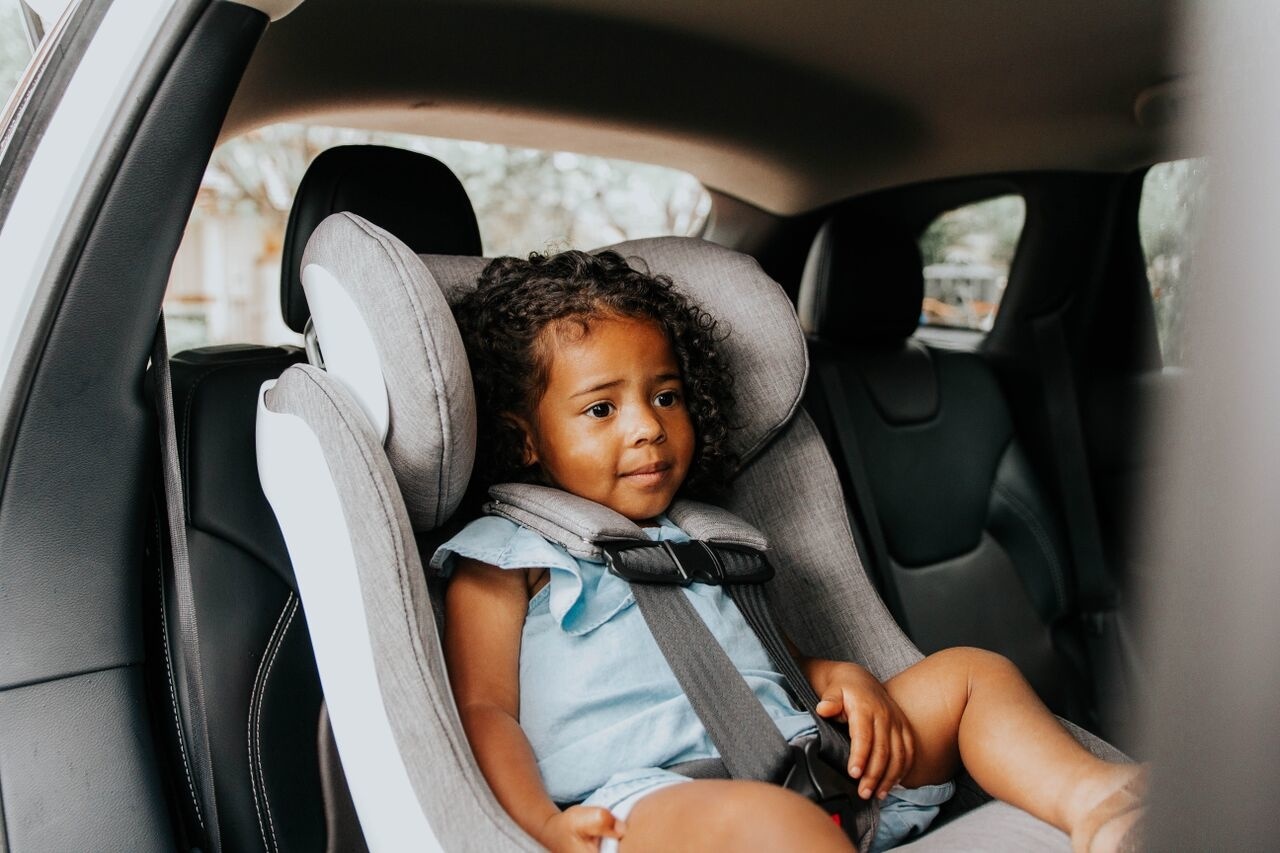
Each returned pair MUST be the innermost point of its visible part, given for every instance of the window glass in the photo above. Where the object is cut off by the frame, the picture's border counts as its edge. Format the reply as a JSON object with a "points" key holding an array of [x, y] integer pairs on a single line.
{"points": [[1173, 196], [226, 279], [15, 52], [966, 254]]}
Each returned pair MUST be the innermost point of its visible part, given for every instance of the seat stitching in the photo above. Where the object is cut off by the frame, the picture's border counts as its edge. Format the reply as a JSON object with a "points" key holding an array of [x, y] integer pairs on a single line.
{"points": [[257, 779], [173, 688], [1040, 535]]}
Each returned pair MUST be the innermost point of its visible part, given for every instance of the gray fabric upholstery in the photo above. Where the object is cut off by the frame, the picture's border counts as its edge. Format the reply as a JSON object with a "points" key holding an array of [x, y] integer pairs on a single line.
{"points": [[411, 670], [431, 437], [576, 523], [993, 828], [765, 343], [580, 525], [714, 524], [821, 594]]}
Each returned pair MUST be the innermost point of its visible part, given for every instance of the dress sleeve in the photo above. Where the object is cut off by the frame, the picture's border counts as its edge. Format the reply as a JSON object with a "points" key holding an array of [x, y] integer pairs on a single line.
{"points": [[582, 594], [502, 543]]}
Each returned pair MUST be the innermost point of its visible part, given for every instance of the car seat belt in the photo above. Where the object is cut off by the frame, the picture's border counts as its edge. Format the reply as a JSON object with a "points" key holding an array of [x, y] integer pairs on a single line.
{"points": [[1097, 596], [1095, 589], [841, 412], [189, 647], [749, 742]]}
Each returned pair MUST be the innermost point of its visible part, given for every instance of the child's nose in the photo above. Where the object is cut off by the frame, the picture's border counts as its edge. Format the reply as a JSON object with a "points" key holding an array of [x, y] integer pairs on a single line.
{"points": [[646, 426]]}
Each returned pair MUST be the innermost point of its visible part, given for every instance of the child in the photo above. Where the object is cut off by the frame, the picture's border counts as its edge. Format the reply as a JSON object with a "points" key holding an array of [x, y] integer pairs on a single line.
{"points": [[605, 382]]}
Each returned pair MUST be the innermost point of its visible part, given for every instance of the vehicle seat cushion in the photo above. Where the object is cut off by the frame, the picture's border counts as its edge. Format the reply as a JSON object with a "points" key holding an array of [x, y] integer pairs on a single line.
{"points": [[863, 283], [430, 438], [412, 195], [765, 346]]}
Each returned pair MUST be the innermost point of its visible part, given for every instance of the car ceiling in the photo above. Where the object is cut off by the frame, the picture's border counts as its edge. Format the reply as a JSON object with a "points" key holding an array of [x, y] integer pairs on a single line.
{"points": [[787, 106]]}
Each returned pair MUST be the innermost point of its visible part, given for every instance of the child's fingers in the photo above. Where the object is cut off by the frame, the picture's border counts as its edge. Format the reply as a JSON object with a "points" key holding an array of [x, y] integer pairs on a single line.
{"points": [[831, 704], [594, 822], [878, 759], [893, 772], [860, 735]]}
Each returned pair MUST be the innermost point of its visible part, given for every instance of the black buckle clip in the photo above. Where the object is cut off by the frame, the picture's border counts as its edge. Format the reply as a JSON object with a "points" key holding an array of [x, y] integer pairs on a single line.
{"points": [[680, 563], [834, 791]]}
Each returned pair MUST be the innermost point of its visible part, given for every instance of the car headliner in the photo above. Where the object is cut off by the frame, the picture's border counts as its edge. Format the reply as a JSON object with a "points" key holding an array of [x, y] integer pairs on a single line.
{"points": [[788, 106]]}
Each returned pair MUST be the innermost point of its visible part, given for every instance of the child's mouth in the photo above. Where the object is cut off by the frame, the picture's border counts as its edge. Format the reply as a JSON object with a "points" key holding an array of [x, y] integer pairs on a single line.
{"points": [[648, 475]]}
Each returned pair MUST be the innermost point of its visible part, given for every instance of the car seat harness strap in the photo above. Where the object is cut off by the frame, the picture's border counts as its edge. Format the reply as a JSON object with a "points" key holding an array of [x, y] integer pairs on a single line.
{"points": [[728, 552]]}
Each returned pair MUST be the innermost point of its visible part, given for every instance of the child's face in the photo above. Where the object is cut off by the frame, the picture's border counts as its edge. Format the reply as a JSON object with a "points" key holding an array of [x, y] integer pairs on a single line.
{"points": [[612, 425]]}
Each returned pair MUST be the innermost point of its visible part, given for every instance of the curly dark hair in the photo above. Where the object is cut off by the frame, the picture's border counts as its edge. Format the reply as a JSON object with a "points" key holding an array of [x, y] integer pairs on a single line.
{"points": [[516, 299]]}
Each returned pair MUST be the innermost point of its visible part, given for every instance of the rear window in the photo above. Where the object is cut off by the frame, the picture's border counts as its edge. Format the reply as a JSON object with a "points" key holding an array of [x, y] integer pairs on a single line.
{"points": [[966, 253], [1173, 199], [225, 284]]}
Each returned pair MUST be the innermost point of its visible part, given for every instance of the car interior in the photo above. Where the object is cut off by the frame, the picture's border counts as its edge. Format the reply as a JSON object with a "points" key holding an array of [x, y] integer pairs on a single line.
{"points": [[993, 478]]}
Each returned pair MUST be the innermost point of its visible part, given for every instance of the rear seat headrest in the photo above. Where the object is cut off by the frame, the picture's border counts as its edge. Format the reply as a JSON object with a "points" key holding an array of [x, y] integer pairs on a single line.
{"points": [[409, 194], [863, 283], [765, 346]]}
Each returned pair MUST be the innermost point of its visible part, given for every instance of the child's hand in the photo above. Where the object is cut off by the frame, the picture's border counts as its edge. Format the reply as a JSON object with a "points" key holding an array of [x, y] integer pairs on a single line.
{"points": [[881, 743], [579, 828]]}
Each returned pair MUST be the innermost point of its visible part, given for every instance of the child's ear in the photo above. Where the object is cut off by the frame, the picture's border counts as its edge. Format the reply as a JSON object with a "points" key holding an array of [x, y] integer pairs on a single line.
{"points": [[529, 454]]}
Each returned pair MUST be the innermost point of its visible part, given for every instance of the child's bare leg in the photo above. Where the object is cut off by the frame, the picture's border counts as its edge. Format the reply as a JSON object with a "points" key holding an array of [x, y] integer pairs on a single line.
{"points": [[974, 706], [714, 814]]}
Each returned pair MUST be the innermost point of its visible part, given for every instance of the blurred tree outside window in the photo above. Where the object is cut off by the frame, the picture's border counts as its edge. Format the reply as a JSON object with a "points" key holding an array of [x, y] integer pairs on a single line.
{"points": [[1173, 199], [15, 53], [966, 253], [225, 282]]}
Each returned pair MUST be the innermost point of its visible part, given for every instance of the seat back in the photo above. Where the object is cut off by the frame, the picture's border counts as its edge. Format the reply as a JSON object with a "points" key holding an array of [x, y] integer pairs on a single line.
{"points": [[974, 552], [352, 505], [264, 701]]}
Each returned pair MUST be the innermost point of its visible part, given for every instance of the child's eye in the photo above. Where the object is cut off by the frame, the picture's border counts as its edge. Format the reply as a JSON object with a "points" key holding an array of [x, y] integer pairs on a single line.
{"points": [[666, 399], [600, 410]]}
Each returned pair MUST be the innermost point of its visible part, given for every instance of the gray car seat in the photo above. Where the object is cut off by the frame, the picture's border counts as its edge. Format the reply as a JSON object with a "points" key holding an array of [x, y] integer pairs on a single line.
{"points": [[361, 460], [971, 551], [264, 699]]}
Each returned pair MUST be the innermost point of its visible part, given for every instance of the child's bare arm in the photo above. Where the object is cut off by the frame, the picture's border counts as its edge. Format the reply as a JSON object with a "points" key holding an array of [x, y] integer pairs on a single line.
{"points": [[484, 616]]}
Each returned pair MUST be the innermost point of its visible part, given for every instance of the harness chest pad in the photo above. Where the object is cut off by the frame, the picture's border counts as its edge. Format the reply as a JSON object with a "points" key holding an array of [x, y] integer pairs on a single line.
{"points": [[724, 549]]}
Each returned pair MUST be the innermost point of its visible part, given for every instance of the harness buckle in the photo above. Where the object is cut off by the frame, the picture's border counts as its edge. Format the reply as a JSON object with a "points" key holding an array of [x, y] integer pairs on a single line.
{"points": [[684, 563], [813, 778]]}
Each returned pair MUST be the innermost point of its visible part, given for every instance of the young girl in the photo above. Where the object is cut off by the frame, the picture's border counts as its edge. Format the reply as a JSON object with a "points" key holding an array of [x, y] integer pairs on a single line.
{"points": [[604, 381]]}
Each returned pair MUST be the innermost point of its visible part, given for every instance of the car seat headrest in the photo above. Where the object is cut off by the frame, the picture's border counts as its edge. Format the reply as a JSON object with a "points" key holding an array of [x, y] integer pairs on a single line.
{"points": [[411, 195], [863, 283], [386, 332], [765, 346]]}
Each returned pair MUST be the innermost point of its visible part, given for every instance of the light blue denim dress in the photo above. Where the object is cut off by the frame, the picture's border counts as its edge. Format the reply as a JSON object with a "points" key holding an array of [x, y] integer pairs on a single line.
{"points": [[598, 702]]}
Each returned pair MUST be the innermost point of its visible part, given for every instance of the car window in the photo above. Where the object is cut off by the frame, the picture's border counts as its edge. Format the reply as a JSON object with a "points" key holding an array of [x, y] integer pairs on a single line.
{"points": [[966, 253], [1173, 197], [226, 278], [15, 49]]}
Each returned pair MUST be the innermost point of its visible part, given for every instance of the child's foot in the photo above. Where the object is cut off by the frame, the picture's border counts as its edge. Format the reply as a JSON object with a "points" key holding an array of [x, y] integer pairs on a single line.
{"points": [[1114, 825]]}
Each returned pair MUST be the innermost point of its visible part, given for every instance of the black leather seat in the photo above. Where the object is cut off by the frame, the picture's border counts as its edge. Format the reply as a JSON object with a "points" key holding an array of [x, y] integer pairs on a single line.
{"points": [[262, 692], [967, 548]]}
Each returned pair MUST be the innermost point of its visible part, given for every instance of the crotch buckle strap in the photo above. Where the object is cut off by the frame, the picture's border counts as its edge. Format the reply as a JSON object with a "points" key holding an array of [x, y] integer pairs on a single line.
{"points": [[831, 789], [683, 563]]}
